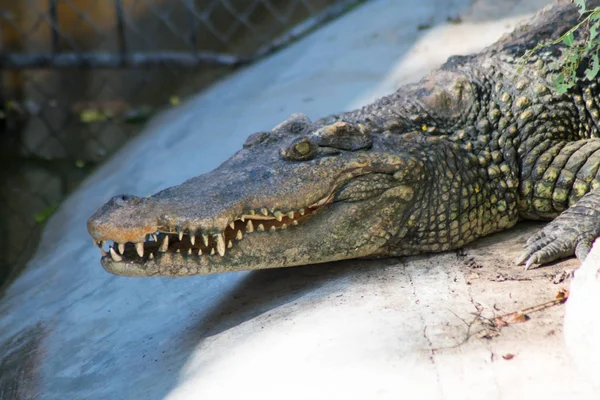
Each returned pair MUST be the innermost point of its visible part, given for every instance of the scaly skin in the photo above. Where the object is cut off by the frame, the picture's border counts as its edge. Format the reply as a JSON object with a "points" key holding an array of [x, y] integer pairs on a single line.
{"points": [[470, 150]]}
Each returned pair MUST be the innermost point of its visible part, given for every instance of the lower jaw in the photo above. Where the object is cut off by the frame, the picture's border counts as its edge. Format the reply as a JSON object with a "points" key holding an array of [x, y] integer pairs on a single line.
{"points": [[177, 264]]}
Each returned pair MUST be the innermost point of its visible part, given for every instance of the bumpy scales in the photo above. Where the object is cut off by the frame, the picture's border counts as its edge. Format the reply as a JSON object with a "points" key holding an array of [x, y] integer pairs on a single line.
{"points": [[470, 150]]}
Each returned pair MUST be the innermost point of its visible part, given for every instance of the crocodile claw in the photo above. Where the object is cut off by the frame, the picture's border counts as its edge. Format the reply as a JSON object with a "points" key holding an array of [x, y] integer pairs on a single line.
{"points": [[561, 238]]}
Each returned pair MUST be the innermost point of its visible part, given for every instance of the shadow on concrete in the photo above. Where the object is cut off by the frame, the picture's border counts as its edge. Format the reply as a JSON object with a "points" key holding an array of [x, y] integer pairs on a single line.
{"points": [[262, 291]]}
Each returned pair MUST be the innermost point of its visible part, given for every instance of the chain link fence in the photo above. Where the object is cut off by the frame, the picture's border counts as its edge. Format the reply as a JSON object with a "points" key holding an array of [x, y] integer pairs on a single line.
{"points": [[78, 78]]}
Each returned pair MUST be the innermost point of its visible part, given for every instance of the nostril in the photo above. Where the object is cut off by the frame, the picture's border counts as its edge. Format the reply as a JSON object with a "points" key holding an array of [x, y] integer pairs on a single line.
{"points": [[123, 199]]}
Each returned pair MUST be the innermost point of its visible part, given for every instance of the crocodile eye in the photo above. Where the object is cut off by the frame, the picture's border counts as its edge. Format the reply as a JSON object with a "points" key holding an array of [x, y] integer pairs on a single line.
{"points": [[300, 150]]}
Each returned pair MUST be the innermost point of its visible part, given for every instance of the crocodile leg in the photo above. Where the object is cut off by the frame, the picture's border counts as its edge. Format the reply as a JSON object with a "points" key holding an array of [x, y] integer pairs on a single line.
{"points": [[572, 232], [565, 178]]}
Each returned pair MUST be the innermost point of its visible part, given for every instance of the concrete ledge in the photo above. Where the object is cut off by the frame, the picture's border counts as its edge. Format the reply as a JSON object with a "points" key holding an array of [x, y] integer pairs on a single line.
{"points": [[582, 317]]}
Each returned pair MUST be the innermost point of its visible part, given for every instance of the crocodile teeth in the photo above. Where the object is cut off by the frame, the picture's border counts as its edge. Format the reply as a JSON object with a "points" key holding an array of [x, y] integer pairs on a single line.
{"points": [[180, 234], [199, 252], [249, 226], [115, 256], [178, 251], [251, 212], [239, 235], [229, 244], [284, 226], [264, 211], [205, 240], [164, 246], [139, 247], [321, 202], [121, 248], [291, 215], [192, 239], [155, 237], [278, 215], [212, 251], [294, 222], [151, 256], [99, 244], [189, 252], [232, 225], [261, 228], [302, 211], [272, 229], [220, 244]]}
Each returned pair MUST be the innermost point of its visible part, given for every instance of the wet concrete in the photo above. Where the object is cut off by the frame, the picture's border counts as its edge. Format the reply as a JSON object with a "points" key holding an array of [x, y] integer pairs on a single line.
{"points": [[359, 329]]}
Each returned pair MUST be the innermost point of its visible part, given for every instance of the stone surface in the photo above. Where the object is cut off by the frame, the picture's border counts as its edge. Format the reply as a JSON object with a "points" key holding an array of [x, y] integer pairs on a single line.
{"points": [[393, 328]]}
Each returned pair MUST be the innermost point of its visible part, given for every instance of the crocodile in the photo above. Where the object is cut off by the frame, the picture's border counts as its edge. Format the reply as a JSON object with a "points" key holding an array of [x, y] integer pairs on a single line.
{"points": [[473, 148]]}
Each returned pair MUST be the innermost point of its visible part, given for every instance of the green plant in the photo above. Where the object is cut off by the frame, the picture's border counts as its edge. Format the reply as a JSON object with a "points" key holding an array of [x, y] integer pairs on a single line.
{"points": [[566, 75]]}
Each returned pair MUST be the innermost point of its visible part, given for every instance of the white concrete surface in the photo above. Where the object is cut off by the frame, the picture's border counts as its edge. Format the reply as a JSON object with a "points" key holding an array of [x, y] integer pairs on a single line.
{"points": [[582, 324], [355, 330]]}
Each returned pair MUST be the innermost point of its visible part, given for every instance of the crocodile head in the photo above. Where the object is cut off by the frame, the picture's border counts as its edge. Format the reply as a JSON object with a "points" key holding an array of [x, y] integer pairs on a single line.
{"points": [[296, 195]]}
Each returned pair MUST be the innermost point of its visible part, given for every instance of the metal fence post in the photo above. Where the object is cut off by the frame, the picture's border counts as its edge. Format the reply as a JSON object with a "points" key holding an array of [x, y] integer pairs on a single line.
{"points": [[122, 45], [53, 13]]}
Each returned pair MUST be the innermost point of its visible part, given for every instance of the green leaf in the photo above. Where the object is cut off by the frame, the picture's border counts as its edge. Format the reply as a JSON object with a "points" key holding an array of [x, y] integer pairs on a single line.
{"points": [[43, 215], [581, 5], [91, 115], [593, 33], [562, 88], [558, 79], [561, 84], [568, 38], [592, 71]]}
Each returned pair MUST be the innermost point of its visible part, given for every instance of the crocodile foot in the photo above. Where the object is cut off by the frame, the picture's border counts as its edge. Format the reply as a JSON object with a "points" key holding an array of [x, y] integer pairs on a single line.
{"points": [[571, 233]]}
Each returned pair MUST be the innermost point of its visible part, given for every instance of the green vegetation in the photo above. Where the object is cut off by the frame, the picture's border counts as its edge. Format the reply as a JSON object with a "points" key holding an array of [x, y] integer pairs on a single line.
{"points": [[567, 71], [45, 214]]}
